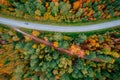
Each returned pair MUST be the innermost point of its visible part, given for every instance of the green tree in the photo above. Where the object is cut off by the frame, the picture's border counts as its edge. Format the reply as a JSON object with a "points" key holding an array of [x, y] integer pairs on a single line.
{"points": [[40, 7], [64, 8], [30, 7]]}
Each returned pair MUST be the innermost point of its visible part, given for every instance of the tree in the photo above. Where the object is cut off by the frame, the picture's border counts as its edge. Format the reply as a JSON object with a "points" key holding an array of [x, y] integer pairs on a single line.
{"points": [[64, 8], [40, 7], [30, 7]]}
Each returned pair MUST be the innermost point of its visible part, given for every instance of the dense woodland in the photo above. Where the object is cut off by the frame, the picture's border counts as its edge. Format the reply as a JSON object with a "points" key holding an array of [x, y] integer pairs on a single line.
{"points": [[91, 55], [62, 10]]}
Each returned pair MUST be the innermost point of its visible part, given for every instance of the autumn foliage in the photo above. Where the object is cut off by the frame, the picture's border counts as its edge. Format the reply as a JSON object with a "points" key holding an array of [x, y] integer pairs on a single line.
{"points": [[25, 58], [63, 10]]}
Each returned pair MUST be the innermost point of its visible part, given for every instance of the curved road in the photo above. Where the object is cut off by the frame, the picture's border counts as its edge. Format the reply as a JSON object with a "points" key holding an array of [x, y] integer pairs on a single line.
{"points": [[43, 27]]}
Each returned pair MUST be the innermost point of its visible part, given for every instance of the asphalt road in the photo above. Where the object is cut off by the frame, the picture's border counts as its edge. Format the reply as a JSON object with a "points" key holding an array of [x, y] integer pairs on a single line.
{"points": [[43, 27]]}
